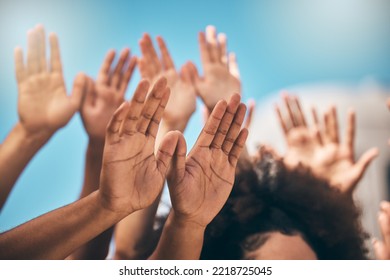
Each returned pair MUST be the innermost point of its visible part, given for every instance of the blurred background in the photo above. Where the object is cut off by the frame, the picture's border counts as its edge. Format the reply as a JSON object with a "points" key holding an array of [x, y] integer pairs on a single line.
{"points": [[330, 51]]}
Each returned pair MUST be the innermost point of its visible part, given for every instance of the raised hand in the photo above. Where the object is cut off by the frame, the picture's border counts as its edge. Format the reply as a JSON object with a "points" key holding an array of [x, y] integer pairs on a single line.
{"points": [[382, 248], [319, 147], [221, 78], [132, 176], [182, 103], [106, 94], [200, 183], [43, 104]]}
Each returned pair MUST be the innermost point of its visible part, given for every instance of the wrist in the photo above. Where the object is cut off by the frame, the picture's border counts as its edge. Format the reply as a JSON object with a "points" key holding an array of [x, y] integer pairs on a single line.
{"points": [[109, 208], [184, 223], [38, 138]]}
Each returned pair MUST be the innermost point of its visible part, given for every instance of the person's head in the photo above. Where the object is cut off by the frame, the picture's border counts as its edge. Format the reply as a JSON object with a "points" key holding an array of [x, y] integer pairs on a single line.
{"points": [[276, 213]]}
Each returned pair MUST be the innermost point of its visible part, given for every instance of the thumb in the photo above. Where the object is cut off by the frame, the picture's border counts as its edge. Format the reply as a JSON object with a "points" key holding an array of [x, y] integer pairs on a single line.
{"points": [[167, 151], [176, 173], [77, 94], [365, 161]]}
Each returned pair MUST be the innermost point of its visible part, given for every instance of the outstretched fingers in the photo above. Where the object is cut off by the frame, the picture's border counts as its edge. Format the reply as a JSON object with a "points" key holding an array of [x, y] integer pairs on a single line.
{"points": [[165, 56], [40, 33], [282, 121], [211, 36], [149, 55], [238, 146], [32, 52], [155, 122], [222, 41], [331, 125], [204, 50], [114, 126], [226, 121], [233, 66], [124, 83], [234, 129], [104, 72], [211, 127], [350, 132], [362, 164], [55, 57], [129, 126], [152, 104], [20, 69], [118, 70]]}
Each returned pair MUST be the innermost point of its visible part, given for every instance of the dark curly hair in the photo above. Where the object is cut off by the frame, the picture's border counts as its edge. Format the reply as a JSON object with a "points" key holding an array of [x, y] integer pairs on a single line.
{"points": [[267, 197]]}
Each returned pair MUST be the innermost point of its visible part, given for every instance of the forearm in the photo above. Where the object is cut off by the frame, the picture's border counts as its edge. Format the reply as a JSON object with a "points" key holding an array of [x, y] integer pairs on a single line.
{"points": [[93, 166], [98, 247], [16, 151], [179, 240], [134, 234], [56, 234]]}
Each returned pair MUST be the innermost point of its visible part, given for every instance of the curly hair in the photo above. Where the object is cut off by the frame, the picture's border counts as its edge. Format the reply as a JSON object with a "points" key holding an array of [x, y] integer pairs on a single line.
{"points": [[267, 197]]}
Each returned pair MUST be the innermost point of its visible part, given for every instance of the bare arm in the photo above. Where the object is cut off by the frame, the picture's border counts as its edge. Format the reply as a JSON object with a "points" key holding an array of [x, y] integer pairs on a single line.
{"points": [[102, 98], [133, 235], [43, 105], [129, 176]]}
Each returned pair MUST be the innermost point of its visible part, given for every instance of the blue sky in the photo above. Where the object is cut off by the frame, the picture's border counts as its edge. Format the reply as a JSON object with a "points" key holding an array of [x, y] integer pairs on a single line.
{"points": [[278, 44]]}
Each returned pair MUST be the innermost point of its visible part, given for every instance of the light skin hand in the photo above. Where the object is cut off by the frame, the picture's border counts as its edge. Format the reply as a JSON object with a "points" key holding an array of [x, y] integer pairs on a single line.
{"points": [[106, 94], [221, 78], [319, 147], [183, 94], [382, 247], [132, 175], [43, 104], [200, 183]]}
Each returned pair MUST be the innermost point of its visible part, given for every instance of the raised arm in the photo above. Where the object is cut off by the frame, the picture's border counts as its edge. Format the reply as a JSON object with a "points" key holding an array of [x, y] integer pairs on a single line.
{"points": [[320, 148], [130, 180], [43, 106], [133, 234], [200, 183], [102, 98], [221, 78]]}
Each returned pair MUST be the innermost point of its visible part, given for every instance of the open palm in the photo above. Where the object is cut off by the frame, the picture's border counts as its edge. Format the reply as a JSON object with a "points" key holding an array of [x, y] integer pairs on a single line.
{"points": [[182, 103], [132, 176], [221, 78], [200, 184], [319, 147], [43, 104], [106, 94]]}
